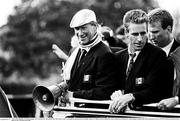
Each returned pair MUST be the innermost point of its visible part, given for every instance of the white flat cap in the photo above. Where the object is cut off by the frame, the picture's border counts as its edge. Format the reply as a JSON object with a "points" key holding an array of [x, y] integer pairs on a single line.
{"points": [[82, 17]]}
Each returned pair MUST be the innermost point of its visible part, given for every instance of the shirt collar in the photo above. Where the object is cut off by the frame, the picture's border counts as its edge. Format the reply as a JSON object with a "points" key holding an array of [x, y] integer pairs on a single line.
{"points": [[87, 49], [137, 53], [95, 40], [167, 48]]}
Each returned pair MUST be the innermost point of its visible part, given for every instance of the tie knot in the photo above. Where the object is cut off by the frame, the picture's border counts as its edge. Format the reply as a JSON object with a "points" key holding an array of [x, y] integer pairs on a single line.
{"points": [[83, 51], [132, 55]]}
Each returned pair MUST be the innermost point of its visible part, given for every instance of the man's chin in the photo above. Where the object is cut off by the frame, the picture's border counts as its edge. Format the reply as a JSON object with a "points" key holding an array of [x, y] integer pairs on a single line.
{"points": [[82, 43], [138, 48], [155, 43]]}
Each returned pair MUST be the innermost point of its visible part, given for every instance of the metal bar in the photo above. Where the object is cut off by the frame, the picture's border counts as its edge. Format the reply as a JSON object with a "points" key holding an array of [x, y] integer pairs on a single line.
{"points": [[19, 96], [79, 100], [128, 112]]}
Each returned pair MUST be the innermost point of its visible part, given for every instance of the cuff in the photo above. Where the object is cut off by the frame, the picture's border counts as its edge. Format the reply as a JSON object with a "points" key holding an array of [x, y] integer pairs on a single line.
{"points": [[177, 99], [131, 106], [132, 96]]}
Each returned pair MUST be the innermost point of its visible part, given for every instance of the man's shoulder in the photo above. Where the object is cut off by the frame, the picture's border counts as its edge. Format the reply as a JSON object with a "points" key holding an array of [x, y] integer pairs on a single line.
{"points": [[153, 50], [116, 49], [176, 42], [102, 48], [175, 45], [121, 52]]}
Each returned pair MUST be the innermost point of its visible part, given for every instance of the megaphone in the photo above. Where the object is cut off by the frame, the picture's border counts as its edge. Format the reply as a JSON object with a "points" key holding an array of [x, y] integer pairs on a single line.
{"points": [[45, 97]]}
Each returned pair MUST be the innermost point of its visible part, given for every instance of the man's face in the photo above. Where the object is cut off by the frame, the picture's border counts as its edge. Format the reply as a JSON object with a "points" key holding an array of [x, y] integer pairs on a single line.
{"points": [[137, 36], [85, 33], [157, 35]]}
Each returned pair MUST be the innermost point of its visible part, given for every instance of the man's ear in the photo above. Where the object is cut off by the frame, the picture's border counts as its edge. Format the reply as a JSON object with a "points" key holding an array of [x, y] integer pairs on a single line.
{"points": [[169, 28], [127, 36], [126, 33]]}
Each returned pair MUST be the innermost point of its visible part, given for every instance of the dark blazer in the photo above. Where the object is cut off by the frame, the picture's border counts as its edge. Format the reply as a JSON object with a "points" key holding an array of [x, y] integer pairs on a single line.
{"points": [[94, 78], [171, 64], [147, 80], [174, 46], [116, 49]]}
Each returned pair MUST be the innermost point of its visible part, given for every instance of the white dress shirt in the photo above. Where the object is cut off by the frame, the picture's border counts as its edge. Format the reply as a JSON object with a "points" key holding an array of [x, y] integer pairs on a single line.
{"points": [[166, 49]]}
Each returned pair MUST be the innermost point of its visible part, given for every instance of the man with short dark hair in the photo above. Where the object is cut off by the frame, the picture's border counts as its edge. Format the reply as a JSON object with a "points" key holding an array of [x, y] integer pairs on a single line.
{"points": [[142, 69], [160, 29]]}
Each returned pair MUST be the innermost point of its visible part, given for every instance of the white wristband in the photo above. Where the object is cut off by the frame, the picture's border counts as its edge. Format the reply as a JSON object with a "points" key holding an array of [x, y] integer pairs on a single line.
{"points": [[133, 98], [177, 99]]}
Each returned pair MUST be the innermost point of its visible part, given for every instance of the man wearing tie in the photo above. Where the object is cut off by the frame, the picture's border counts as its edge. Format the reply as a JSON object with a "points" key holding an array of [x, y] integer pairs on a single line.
{"points": [[90, 70], [160, 34], [142, 67]]}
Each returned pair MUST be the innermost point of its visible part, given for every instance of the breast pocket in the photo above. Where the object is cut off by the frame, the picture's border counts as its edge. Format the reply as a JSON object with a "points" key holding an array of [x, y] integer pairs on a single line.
{"points": [[87, 78], [140, 84], [87, 81], [139, 81]]}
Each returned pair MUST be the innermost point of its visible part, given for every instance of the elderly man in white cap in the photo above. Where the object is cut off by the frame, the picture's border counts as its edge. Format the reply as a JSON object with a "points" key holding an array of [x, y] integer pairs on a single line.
{"points": [[90, 70]]}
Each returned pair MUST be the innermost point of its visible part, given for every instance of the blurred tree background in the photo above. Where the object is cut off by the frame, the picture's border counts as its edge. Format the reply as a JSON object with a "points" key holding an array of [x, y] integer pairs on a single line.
{"points": [[26, 57]]}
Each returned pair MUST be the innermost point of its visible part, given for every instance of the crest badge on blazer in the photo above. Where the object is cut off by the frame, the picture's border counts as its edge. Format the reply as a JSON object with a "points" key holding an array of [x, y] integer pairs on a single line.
{"points": [[139, 81], [87, 78]]}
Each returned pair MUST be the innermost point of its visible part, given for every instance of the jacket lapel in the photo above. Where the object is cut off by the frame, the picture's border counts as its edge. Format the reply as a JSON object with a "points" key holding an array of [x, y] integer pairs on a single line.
{"points": [[137, 64], [126, 57], [174, 46], [75, 65], [87, 59]]}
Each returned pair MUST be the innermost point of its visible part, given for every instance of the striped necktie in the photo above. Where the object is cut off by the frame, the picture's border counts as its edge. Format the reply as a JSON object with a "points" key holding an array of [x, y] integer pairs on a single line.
{"points": [[82, 55], [130, 63]]}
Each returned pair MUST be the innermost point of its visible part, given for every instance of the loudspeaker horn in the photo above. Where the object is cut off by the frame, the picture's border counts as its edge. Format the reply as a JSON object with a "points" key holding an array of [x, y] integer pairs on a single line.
{"points": [[45, 97]]}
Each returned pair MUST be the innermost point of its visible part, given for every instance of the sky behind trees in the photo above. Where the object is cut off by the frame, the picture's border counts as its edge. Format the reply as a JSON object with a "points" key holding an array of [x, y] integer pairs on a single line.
{"points": [[170, 5], [6, 7]]}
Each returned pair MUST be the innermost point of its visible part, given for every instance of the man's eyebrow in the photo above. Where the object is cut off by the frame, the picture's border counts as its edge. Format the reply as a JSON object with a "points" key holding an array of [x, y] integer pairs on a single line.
{"points": [[137, 33]]}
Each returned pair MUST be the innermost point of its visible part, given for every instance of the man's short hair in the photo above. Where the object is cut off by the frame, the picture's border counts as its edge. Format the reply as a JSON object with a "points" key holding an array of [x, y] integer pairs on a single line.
{"points": [[136, 16], [162, 16]]}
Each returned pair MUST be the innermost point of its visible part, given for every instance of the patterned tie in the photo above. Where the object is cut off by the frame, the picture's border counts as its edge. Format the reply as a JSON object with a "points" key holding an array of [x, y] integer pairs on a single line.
{"points": [[130, 63], [82, 55]]}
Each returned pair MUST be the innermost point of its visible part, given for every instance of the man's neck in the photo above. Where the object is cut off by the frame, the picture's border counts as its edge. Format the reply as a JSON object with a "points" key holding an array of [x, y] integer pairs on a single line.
{"points": [[167, 48]]}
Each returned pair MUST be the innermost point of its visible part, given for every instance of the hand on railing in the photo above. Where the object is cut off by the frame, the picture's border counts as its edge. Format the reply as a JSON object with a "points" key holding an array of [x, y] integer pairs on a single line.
{"points": [[167, 104], [64, 99], [116, 94]]}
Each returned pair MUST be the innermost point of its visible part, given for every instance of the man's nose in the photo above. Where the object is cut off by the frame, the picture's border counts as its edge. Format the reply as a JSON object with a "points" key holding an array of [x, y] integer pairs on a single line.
{"points": [[140, 37], [151, 35], [79, 32]]}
